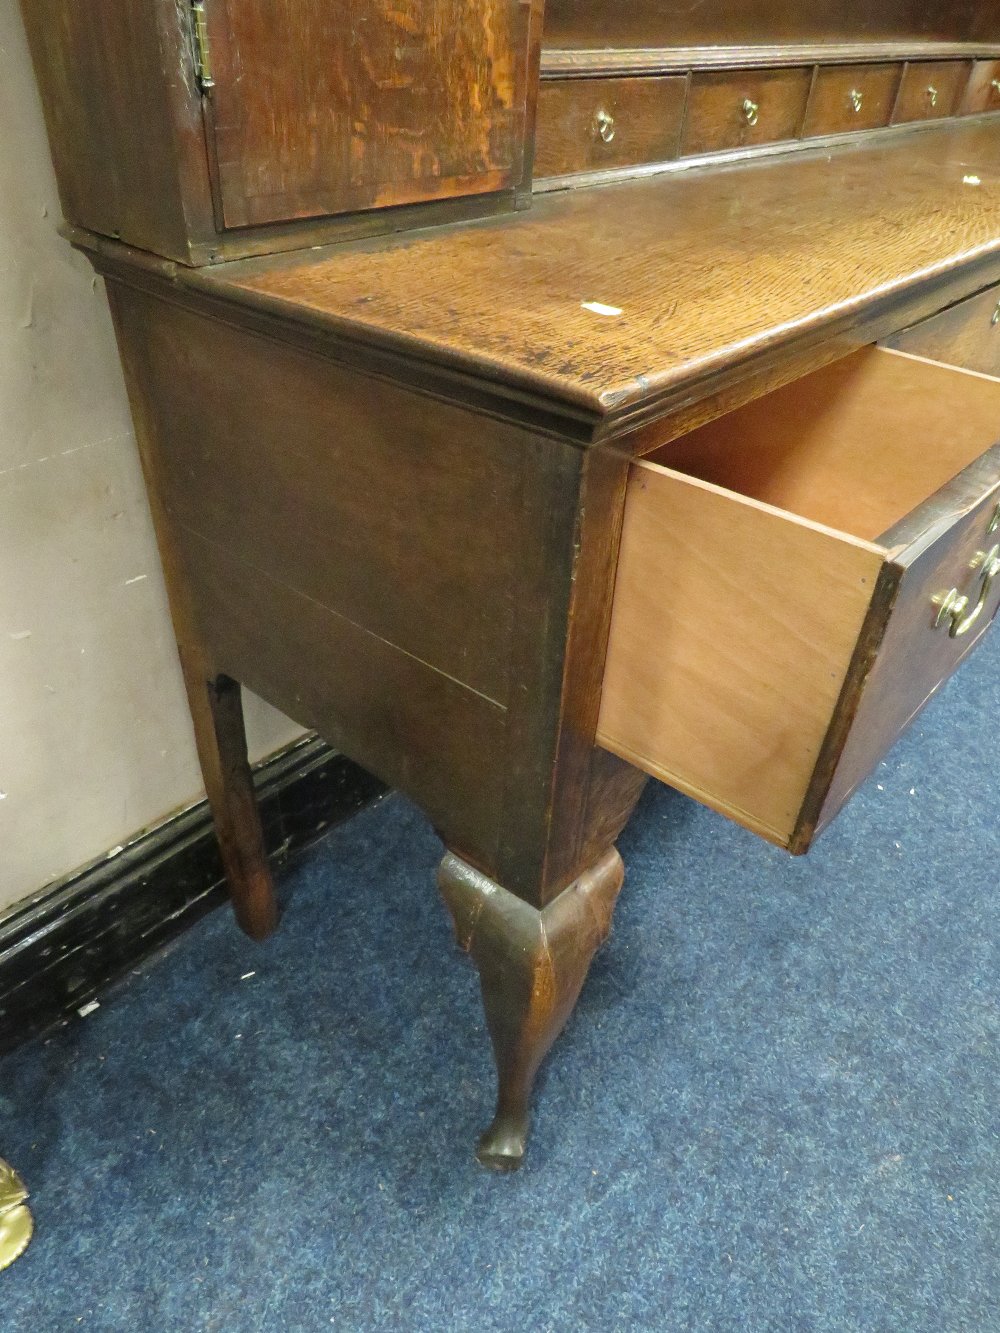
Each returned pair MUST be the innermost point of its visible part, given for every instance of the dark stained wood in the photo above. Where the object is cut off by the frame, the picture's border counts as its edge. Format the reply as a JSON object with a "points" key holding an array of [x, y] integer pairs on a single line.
{"points": [[214, 699], [982, 93], [217, 713], [744, 109], [631, 62], [448, 122], [323, 107], [418, 730], [388, 477], [532, 966], [709, 270], [594, 23], [936, 550], [118, 144], [410, 582], [931, 90], [966, 334], [594, 125], [851, 97], [355, 494]]}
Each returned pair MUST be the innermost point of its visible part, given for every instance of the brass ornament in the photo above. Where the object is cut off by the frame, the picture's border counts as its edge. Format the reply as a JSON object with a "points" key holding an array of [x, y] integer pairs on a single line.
{"points": [[16, 1224]]}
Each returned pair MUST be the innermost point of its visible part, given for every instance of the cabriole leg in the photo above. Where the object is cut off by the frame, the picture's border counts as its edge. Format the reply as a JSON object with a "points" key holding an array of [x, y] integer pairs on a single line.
{"points": [[217, 712], [532, 964]]}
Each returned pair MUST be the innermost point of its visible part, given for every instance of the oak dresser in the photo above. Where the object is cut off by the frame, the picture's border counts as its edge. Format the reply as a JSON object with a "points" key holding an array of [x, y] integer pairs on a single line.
{"points": [[530, 403]]}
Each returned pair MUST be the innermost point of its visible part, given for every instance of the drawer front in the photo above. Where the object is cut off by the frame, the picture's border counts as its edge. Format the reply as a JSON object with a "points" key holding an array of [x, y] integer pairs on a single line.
{"points": [[931, 90], [966, 335], [852, 97], [983, 91], [930, 631], [767, 647], [598, 124], [744, 108]]}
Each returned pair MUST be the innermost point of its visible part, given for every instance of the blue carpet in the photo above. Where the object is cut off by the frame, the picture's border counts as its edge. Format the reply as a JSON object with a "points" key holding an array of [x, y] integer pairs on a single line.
{"points": [[775, 1109]]}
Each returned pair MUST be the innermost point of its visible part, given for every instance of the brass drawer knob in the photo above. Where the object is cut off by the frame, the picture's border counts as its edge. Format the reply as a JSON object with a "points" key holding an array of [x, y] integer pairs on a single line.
{"points": [[995, 86], [857, 100], [932, 95], [996, 316], [953, 606], [604, 126], [751, 111]]}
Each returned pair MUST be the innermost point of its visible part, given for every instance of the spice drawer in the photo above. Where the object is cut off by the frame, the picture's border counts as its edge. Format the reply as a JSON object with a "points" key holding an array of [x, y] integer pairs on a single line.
{"points": [[599, 124], [796, 579]]}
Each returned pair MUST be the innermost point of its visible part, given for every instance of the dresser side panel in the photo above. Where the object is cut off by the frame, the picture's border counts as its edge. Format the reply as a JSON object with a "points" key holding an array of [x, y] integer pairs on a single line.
{"points": [[107, 73]]}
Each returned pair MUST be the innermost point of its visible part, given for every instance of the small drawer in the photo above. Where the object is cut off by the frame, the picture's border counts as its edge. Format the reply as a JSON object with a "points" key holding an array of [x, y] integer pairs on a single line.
{"points": [[852, 97], [983, 91], [931, 90], [597, 124], [966, 335], [739, 109], [795, 581]]}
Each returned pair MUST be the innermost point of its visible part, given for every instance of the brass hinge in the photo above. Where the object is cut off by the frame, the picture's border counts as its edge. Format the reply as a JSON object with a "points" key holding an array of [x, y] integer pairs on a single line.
{"points": [[203, 51]]}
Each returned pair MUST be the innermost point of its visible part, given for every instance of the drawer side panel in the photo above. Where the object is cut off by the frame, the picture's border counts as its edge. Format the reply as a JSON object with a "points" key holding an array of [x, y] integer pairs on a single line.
{"points": [[733, 631]]}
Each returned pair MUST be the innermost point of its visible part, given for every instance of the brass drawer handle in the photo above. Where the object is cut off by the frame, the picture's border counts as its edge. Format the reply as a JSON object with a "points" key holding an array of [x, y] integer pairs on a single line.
{"points": [[996, 316], [857, 100], [995, 85], [604, 126], [751, 110], [953, 606], [932, 94]]}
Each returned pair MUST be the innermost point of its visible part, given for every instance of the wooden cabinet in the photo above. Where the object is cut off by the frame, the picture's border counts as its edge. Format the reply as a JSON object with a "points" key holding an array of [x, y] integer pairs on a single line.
{"points": [[200, 129], [795, 581], [518, 512]]}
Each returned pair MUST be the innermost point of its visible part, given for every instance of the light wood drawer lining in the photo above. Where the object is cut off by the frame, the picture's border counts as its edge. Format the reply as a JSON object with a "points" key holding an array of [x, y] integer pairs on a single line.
{"points": [[751, 599]]}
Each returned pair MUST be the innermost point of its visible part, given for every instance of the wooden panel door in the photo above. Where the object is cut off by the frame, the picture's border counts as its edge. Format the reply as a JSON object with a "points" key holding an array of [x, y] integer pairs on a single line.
{"points": [[332, 106]]}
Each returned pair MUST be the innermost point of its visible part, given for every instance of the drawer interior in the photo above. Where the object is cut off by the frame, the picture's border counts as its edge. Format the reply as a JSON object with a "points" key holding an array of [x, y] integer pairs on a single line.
{"points": [[856, 446], [776, 561]]}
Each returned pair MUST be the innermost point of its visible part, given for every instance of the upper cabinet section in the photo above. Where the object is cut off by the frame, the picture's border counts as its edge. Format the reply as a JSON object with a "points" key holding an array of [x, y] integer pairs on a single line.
{"points": [[678, 23], [332, 106], [209, 129]]}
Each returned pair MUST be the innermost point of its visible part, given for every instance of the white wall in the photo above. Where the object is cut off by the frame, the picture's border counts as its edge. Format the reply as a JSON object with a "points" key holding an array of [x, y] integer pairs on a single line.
{"points": [[95, 740]]}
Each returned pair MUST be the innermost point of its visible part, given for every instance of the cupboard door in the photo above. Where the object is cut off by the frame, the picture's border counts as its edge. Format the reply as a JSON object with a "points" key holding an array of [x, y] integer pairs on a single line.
{"points": [[332, 106]]}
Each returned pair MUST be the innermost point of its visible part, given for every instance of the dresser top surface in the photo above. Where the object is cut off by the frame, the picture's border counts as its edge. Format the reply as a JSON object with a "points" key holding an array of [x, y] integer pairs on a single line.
{"points": [[615, 297]]}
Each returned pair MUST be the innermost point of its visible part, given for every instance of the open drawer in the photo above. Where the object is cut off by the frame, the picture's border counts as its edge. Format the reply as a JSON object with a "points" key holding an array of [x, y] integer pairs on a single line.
{"points": [[796, 579]]}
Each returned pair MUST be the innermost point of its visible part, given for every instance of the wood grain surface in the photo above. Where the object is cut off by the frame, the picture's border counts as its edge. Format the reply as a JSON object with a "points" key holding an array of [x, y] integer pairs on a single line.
{"points": [[707, 270], [846, 97], [594, 23], [915, 658], [117, 140], [966, 334], [719, 115], [982, 92], [643, 125], [324, 107], [931, 90]]}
